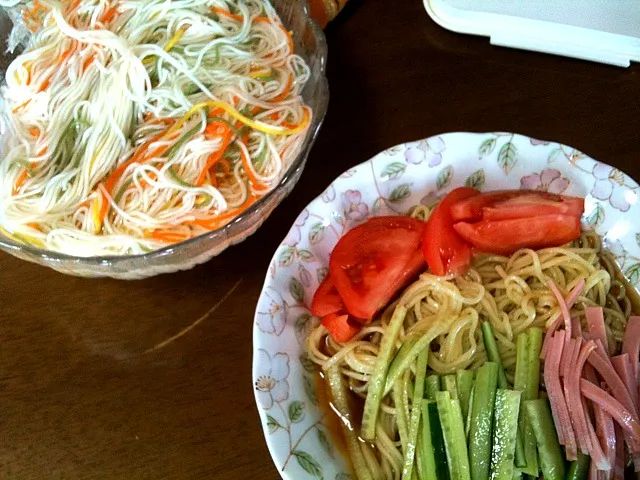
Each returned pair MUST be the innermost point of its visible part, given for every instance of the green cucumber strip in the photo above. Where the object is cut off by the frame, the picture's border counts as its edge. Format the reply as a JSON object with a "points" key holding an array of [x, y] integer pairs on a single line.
{"points": [[505, 432], [426, 452], [181, 141], [434, 330], [379, 375], [341, 403], [176, 178], [464, 384], [550, 454], [579, 469], [416, 410], [396, 367], [437, 440], [481, 420], [519, 384], [467, 424], [493, 354], [432, 385], [449, 385], [454, 438], [401, 416], [530, 392]]}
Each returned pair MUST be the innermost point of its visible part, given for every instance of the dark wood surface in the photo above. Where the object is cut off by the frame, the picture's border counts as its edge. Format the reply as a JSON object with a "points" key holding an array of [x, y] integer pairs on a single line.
{"points": [[81, 395]]}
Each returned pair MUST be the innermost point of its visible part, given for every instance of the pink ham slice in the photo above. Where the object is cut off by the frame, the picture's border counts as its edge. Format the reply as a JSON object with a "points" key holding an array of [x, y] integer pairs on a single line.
{"points": [[613, 407], [570, 302], [566, 316], [631, 344], [623, 368], [618, 468], [595, 324], [572, 374]]}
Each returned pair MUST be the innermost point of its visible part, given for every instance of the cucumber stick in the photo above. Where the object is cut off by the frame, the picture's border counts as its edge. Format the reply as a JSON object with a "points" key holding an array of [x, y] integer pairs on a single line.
{"points": [[379, 375], [464, 384], [493, 354], [431, 386], [416, 410], [505, 432], [426, 453], [481, 420], [399, 360], [449, 385], [454, 438], [551, 458], [579, 469], [519, 384]]}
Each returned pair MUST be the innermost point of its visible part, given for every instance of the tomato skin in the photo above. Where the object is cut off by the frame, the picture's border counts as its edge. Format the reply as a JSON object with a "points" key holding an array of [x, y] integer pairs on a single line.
{"points": [[443, 249], [340, 327], [373, 261], [326, 300], [502, 205], [504, 237]]}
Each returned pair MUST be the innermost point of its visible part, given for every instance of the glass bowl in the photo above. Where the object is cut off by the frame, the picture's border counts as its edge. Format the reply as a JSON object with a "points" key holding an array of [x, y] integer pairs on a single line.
{"points": [[310, 43]]}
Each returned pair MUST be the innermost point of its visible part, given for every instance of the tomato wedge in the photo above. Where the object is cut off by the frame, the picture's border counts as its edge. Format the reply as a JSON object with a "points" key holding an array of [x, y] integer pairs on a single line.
{"points": [[502, 205], [506, 236], [443, 249], [340, 327], [374, 260], [326, 300]]}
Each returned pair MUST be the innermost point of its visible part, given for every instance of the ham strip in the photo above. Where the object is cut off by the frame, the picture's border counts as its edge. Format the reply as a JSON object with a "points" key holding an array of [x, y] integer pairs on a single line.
{"points": [[570, 302], [556, 397], [566, 316], [572, 374], [615, 383], [595, 323], [575, 293], [618, 468], [631, 344], [613, 407], [605, 426], [577, 327], [623, 367], [546, 344]]}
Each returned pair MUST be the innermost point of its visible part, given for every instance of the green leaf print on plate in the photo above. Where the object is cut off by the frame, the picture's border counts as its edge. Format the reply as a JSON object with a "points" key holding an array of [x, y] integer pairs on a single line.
{"points": [[400, 193], [444, 177], [296, 411], [507, 156], [475, 180], [308, 463], [316, 233], [393, 171], [296, 289], [487, 147]]}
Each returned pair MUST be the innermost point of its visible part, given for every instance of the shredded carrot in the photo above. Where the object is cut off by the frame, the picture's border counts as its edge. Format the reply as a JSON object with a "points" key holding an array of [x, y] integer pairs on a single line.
{"points": [[220, 220], [109, 14], [216, 156], [285, 93], [20, 181], [225, 13], [167, 236], [33, 225], [88, 62], [289, 38], [34, 131], [19, 107], [246, 162]]}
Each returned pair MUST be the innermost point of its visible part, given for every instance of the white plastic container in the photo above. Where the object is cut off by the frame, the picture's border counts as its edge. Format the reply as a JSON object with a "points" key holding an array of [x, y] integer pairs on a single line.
{"points": [[606, 31]]}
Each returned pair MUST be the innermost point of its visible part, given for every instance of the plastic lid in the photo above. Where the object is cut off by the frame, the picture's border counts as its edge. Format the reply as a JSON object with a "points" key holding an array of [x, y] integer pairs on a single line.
{"points": [[606, 31]]}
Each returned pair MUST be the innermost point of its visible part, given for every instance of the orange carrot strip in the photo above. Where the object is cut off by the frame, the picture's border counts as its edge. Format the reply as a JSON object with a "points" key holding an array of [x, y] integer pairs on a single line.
{"points": [[20, 181], [224, 13], [88, 62], [19, 107], [217, 155], [223, 218], [285, 93], [35, 131], [108, 15], [168, 236], [246, 162]]}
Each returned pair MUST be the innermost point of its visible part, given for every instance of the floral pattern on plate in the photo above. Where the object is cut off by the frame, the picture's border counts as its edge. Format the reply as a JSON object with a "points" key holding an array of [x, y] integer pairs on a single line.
{"points": [[390, 183]]}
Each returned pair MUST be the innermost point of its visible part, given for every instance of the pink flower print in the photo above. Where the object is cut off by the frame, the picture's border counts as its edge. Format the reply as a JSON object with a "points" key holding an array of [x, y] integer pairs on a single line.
{"points": [[272, 384], [610, 186], [548, 180], [535, 141], [429, 150], [294, 235], [354, 208]]}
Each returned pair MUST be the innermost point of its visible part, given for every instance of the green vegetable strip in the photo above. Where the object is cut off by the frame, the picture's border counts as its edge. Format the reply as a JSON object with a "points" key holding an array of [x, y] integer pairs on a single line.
{"points": [[341, 403], [505, 431], [396, 368], [454, 438], [401, 415], [426, 452], [530, 392], [579, 469], [449, 385], [551, 458], [464, 384], [432, 385], [379, 374], [181, 141], [416, 410], [480, 431], [467, 425], [519, 384], [437, 440], [493, 354]]}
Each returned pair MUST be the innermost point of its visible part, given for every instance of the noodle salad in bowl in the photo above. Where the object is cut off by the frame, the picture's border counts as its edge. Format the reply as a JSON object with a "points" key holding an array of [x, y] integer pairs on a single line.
{"points": [[459, 307], [132, 126]]}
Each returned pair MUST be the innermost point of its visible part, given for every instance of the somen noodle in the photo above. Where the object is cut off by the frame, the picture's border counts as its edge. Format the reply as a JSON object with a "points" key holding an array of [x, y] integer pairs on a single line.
{"points": [[133, 124]]}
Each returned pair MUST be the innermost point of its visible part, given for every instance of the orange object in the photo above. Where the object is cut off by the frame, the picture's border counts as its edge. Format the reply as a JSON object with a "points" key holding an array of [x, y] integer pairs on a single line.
{"points": [[323, 11]]}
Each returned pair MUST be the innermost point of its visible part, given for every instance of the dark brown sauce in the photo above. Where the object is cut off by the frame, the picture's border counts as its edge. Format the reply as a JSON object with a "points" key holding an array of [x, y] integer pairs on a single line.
{"points": [[333, 421]]}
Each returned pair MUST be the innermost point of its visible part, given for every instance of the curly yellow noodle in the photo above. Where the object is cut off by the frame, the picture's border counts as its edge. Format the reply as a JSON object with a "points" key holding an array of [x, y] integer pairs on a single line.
{"points": [[511, 293]]}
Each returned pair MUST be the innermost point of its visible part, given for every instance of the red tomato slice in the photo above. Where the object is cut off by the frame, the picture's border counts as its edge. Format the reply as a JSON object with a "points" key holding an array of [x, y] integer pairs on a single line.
{"points": [[373, 261], [502, 205], [443, 249], [340, 327], [506, 236], [326, 300]]}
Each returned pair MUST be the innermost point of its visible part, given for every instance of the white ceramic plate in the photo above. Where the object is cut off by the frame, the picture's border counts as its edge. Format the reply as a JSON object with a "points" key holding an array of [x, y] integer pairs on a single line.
{"points": [[390, 183]]}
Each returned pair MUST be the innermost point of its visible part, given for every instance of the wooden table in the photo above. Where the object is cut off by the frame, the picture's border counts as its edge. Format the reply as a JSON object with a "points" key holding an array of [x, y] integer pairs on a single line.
{"points": [[82, 393]]}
